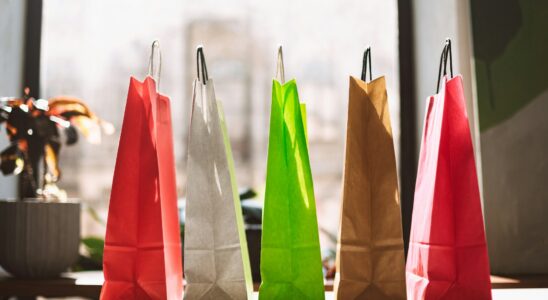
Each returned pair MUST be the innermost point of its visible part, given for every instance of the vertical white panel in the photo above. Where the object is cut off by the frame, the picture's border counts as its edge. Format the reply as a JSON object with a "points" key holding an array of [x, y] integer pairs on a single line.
{"points": [[12, 31], [434, 21]]}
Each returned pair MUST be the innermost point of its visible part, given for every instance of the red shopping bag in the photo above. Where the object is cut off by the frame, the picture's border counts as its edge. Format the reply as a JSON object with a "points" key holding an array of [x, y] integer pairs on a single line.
{"points": [[447, 256], [142, 255]]}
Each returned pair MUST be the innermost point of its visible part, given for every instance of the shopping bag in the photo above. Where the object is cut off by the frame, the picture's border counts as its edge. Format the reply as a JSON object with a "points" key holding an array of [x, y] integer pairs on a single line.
{"points": [[370, 251], [216, 256], [142, 254], [447, 256], [291, 265]]}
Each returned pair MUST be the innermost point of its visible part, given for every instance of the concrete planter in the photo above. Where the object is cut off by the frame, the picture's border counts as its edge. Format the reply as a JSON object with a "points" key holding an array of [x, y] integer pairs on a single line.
{"points": [[38, 239]]}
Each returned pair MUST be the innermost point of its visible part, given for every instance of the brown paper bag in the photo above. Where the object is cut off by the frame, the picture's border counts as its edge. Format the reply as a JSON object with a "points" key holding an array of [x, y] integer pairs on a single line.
{"points": [[370, 252]]}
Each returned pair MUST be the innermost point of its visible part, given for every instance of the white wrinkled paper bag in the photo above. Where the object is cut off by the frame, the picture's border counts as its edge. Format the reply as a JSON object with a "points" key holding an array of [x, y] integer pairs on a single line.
{"points": [[216, 259]]}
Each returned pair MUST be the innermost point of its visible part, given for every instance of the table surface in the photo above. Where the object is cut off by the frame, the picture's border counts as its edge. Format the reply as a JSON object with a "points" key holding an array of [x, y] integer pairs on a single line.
{"points": [[88, 284]]}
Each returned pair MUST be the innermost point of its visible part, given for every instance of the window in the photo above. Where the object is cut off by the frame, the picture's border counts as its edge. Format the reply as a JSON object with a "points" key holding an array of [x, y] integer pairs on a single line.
{"points": [[90, 48]]}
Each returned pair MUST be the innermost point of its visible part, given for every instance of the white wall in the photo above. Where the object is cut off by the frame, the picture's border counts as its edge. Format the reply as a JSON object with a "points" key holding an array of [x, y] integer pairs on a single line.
{"points": [[12, 22], [434, 21]]}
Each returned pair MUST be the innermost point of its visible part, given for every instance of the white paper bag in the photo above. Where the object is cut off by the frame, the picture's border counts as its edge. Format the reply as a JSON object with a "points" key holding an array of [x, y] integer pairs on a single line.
{"points": [[216, 260]]}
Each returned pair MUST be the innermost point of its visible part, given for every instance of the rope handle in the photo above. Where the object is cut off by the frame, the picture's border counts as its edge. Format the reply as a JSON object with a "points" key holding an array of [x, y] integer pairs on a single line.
{"points": [[155, 72], [280, 76], [446, 54], [366, 62], [201, 67]]}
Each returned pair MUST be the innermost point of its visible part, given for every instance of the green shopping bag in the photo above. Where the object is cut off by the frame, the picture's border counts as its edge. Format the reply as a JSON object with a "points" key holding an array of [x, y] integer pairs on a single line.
{"points": [[291, 265]]}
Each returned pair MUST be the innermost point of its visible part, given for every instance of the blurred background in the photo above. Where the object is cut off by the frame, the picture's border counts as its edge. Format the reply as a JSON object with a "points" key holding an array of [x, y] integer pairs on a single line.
{"points": [[107, 42], [89, 49]]}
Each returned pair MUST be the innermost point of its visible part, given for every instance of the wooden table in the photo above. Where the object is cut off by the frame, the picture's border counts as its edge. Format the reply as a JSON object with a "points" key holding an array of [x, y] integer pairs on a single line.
{"points": [[79, 284], [88, 285]]}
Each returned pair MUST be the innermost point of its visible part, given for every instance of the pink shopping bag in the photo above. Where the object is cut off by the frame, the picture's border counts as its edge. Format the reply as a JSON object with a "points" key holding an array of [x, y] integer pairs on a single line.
{"points": [[447, 256]]}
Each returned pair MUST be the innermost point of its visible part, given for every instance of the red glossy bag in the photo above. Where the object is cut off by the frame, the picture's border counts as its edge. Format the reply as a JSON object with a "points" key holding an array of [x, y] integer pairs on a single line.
{"points": [[142, 255], [447, 256]]}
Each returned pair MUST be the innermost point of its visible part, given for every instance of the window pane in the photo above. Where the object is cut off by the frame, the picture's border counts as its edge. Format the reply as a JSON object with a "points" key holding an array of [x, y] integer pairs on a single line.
{"points": [[90, 48]]}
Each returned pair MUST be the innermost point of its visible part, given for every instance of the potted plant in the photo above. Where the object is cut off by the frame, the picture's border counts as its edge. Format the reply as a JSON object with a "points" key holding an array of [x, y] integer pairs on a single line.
{"points": [[40, 231]]}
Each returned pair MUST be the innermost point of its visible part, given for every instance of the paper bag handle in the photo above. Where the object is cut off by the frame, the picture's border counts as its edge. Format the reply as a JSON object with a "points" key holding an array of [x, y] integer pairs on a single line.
{"points": [[366, 62], [201, 65], [445, 55], [151, 70], [280, 76]]}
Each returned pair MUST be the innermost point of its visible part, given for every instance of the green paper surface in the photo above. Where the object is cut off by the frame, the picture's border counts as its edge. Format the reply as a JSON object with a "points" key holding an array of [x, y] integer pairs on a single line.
{"points": [[291, 266], [237, 202]]}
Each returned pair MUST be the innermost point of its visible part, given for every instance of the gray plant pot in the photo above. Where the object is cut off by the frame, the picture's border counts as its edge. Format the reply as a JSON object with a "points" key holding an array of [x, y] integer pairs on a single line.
{"points": [[38, 239]]}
